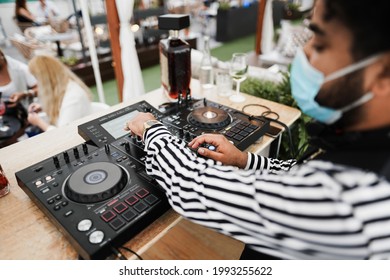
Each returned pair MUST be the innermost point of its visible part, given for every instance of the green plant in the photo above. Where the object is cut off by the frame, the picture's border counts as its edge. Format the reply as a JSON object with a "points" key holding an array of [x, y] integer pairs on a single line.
{"points": [[293, 7], [224, 5], [281, 93], [70, 61]]}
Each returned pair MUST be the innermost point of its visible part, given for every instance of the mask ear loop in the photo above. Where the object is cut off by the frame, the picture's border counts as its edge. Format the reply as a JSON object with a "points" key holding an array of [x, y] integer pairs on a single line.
{"points": [[352, 68], [365, 98]]}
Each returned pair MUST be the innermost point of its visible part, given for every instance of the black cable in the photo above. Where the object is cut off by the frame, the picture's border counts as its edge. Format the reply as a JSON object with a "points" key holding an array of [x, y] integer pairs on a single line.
{"points": [[118, 253], [131, 251], [276, 120], [269, 111]]}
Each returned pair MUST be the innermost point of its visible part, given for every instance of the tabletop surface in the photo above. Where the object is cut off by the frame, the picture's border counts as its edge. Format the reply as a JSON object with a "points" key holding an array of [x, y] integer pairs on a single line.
{"points": [[25, 231]]}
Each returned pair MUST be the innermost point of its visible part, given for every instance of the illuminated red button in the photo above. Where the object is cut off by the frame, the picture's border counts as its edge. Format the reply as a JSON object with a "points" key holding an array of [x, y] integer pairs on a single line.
{"points": [[131, 200], [142, 193], [108, 216], [120, 207]]}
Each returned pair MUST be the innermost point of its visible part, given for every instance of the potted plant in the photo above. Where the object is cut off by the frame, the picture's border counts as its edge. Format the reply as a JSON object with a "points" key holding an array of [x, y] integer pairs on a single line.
{"points": [[281, 93]]}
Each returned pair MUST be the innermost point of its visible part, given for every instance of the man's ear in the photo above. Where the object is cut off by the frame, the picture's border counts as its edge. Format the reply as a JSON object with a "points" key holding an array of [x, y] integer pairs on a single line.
{"points": [[381, 86]]}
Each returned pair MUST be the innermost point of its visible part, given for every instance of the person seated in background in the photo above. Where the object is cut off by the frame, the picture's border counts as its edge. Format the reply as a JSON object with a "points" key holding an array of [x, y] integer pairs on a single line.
{"points": [[62, 95], [46, 9], [16, 81], [22, 13]]}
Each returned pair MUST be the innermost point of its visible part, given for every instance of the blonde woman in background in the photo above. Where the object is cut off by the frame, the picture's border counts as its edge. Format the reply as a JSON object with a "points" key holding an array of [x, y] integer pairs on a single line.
{"points": [[62, 95]]}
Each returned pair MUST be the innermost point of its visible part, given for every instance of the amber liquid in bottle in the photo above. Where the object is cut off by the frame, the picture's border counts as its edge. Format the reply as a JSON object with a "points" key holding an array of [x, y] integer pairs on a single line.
{"points": [[175, 61]]}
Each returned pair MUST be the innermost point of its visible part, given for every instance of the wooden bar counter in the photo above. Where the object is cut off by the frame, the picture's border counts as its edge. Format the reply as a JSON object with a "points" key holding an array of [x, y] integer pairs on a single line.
{"points": [[25, 231]]}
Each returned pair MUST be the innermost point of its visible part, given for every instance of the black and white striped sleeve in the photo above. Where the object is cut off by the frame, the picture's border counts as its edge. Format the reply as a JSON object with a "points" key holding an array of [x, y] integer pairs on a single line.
{"points": [[257, 162], [314, 211]]}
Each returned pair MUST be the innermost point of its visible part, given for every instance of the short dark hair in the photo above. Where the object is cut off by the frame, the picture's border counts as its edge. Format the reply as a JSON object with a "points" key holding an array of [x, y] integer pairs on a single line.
{"points": [[369, 22]]}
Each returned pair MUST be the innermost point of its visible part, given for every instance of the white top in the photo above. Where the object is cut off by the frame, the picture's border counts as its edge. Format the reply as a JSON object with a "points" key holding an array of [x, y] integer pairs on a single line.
{"points": [[21, 78], [49, 11], [75, 105]]}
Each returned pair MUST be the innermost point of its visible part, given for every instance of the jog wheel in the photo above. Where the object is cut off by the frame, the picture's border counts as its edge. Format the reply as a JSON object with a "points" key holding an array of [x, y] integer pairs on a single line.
{"points": [[209, 118], [95, 182]]}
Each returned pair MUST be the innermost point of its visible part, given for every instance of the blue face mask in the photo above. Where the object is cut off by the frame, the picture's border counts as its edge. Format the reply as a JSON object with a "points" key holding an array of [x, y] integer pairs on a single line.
{"points": [[306, 82]]}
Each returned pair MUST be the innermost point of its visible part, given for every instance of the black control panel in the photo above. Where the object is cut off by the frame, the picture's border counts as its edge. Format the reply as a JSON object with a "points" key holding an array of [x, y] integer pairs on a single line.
{"points": [[98, 197], [98, 193], [185, 121]]}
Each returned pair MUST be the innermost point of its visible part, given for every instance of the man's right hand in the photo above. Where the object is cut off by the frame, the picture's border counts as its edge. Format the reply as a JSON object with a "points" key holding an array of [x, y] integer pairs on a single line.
{"points": [[225, 151]]}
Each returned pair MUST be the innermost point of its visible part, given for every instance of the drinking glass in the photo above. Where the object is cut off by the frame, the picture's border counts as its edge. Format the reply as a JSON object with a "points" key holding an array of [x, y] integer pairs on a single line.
{"points": [[4, 184], [238, 71]]}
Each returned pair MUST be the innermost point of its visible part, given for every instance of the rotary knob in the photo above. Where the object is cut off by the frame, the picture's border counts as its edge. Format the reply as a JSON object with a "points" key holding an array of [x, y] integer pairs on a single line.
{"points": [[84, 225], [96, 237]]}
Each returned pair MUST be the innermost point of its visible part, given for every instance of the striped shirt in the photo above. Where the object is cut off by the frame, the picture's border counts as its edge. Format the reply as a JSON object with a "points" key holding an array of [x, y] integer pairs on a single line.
{"points": [[316, 210]]}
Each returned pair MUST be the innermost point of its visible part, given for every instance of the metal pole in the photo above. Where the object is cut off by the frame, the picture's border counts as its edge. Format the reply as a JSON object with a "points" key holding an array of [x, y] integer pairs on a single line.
{"points": [[79, 31], [92, 50]]}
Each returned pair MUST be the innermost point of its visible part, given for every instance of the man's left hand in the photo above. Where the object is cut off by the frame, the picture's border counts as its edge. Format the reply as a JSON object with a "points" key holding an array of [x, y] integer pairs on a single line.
{"points": [[136, 125]]}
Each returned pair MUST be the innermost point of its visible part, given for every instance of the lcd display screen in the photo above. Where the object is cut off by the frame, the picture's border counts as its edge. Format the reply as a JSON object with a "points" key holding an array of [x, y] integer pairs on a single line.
{"points": [[115, 126]]}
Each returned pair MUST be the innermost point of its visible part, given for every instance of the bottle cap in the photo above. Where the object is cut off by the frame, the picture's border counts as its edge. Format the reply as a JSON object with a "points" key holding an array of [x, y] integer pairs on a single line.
{"points": [[173, 21]]}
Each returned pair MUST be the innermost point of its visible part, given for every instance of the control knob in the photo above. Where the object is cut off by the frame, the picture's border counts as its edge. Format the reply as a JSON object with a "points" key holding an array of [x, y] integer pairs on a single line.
{"points": [[127, 146], [107, 148], [56, 162], [76, 152], [66, 156], [85, 148], [187, 136], [96, 237]]}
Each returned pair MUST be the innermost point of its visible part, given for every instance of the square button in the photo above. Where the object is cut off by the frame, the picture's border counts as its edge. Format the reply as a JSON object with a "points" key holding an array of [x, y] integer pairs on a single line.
{"points": [[140, 207], [129, 215], [235, 130], [243, 133], [117, 223], [108, 216], [230, 134], [131, 200], [151, 199], [142, 193], [120, 207]]}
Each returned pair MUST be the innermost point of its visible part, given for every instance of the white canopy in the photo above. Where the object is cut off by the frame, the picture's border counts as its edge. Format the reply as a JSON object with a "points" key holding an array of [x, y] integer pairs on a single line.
{"points": [[133, 85]]}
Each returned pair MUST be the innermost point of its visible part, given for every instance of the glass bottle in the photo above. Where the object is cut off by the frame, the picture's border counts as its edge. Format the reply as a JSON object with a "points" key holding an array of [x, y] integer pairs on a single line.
{"points": [[206, 73], [175, 57]]}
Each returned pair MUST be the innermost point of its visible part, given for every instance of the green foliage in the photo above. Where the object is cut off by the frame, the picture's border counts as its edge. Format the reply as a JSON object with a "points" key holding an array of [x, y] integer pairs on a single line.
{"points": [[224, 6], [293, 6], [70, 61], [281, 93]]}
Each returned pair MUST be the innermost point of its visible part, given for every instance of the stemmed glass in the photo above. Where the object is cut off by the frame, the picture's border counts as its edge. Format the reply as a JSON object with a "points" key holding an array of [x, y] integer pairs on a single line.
{"points": [[238, 71]]}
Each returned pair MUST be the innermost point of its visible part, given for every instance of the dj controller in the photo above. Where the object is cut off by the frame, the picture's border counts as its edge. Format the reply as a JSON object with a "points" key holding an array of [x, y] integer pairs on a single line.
{"points": [[98, 193]]}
